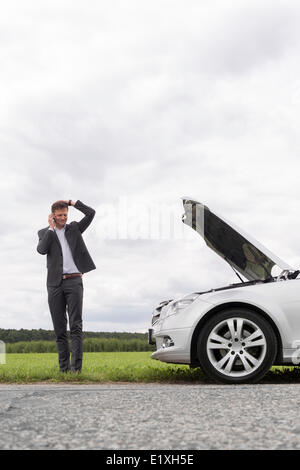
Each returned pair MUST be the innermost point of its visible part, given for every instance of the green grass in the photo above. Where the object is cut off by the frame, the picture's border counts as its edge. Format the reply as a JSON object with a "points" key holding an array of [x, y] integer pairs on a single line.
{"points": [[114, 367], [97, 367]]}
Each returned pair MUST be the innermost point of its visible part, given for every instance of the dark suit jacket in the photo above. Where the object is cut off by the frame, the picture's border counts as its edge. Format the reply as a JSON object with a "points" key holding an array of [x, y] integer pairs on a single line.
{"points": [[49, 245]]}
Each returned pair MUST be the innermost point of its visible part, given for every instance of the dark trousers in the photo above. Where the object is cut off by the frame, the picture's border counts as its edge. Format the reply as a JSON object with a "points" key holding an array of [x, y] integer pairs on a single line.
{"points": [[67, 297]]}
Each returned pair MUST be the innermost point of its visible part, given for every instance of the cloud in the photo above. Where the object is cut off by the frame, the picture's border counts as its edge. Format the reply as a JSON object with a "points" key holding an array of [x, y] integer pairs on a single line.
{"points": [[144, 102]]}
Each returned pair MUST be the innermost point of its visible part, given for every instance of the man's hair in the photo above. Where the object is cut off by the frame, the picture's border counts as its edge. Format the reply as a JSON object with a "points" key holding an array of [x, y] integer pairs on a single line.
{"points": [[58, 205]]}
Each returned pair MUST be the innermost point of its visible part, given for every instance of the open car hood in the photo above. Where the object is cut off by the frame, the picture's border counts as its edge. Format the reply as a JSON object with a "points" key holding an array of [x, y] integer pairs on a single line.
{"points": [[245, 254]]}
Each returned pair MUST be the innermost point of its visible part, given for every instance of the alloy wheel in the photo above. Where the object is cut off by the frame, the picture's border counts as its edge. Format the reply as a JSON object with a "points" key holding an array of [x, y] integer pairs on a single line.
{"points": [[236, 347]]}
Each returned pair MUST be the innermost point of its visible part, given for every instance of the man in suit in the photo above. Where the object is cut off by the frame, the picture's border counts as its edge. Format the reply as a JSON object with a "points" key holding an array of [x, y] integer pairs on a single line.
{"points": [[67, 260]]}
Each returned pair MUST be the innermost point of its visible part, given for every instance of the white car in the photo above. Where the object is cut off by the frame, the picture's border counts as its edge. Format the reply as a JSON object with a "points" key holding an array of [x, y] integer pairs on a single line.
{"points": [[234, 333]]}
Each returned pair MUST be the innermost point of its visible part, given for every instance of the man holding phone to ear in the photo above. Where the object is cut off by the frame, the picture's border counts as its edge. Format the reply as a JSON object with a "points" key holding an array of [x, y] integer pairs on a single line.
{"points": [[67, 260]]}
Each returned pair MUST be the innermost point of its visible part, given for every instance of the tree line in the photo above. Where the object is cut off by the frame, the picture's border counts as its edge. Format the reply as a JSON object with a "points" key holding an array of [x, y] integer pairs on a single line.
{"points": [[43, 341], [13, 336], [89, 345]]}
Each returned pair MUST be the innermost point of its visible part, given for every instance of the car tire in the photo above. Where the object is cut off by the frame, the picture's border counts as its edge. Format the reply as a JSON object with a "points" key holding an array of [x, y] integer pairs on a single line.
{"points": [[236, 346]]}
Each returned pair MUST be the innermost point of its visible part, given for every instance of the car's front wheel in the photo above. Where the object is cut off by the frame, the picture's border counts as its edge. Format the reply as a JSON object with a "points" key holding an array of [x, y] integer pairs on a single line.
{"points": [[236, 346]]}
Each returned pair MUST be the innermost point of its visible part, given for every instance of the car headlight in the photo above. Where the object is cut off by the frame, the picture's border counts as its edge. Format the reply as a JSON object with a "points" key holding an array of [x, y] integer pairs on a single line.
{"points": [[179, 305]]}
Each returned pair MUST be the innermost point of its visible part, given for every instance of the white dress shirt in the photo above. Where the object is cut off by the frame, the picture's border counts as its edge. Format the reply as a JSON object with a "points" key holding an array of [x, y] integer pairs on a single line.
{"points": [[68, 262]]}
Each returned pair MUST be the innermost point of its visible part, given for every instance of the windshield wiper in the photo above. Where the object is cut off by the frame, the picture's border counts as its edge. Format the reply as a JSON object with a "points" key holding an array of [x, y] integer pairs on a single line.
{"points": [[294, 274]]}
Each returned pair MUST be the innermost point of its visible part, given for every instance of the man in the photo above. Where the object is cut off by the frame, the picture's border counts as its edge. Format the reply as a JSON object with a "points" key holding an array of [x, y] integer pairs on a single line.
{"points": [[67, 259]]}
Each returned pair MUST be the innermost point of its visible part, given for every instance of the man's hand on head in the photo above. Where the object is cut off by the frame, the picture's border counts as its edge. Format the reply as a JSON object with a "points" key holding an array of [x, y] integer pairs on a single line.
{"points": [[70, 202]]}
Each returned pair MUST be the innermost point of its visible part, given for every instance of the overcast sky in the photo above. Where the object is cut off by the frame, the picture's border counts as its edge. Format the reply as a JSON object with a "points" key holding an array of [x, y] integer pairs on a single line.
{"points": [[128, 106]]}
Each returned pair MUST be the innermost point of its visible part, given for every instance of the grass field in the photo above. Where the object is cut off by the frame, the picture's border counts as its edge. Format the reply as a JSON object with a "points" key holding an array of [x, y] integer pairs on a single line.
{"points": [[97, 367], [113, 367]]}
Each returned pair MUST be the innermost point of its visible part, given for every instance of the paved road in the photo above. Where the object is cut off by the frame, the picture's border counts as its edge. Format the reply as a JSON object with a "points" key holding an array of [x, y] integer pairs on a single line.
{"points": [[144, 416]]}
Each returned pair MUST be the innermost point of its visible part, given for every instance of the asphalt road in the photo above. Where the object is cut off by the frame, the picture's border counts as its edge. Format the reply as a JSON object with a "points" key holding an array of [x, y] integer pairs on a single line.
{"points": [[150, 416]]}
